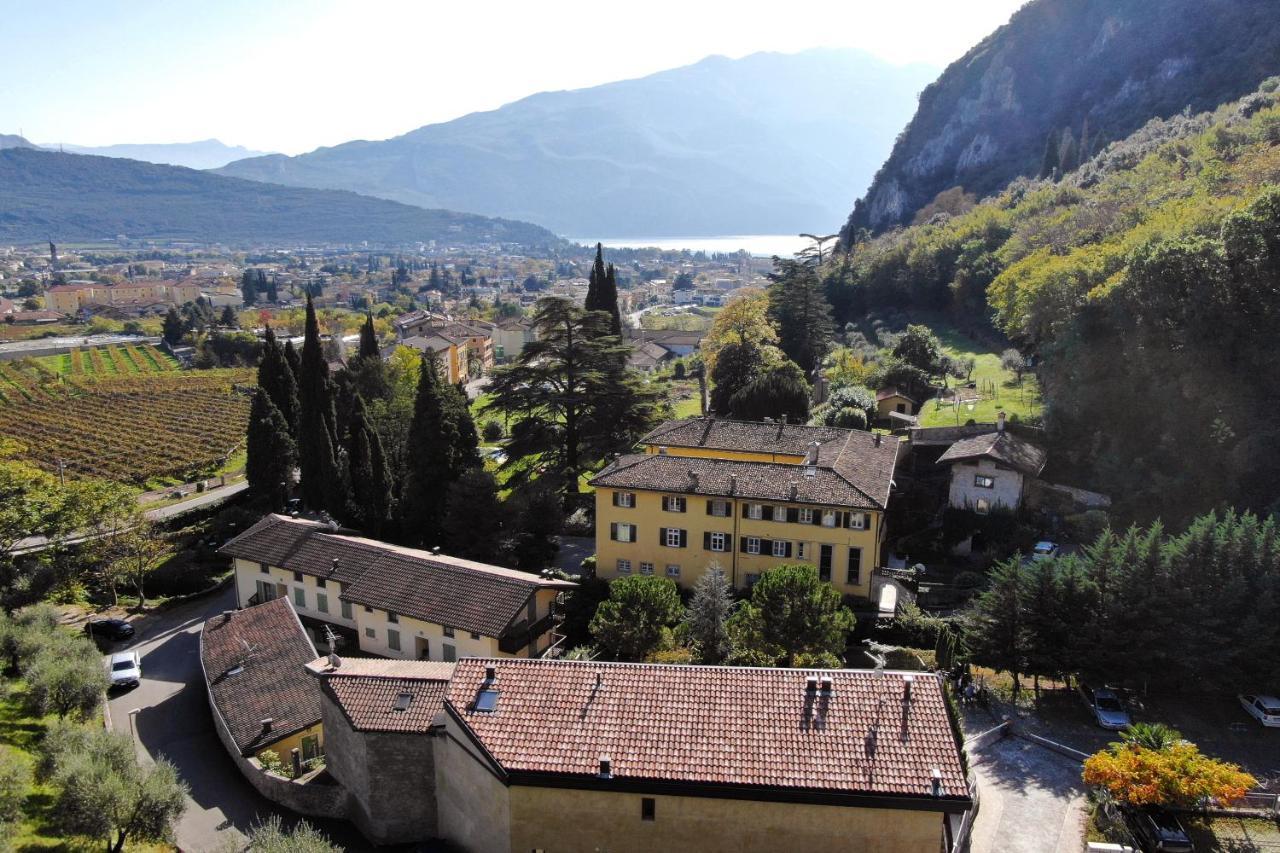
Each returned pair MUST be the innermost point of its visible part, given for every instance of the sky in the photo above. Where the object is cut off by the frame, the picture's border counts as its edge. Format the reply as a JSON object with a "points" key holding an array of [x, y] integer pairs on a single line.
{"points": [[290, 76]]}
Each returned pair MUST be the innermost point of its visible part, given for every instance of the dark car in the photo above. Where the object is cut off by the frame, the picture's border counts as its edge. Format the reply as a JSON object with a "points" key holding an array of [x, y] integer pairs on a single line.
{"points": [[109, 629], [1159, 831]]}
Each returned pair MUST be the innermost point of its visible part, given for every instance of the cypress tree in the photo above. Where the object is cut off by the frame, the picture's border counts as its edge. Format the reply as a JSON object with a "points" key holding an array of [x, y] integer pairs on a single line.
{"points": [[475, 520], [609, 300], [315, 420], [370, 478], [596, 282], [435, 462], [249, 287], [294, 360], [369, 339], [276, 378], [1050, 162], [271, 451]]}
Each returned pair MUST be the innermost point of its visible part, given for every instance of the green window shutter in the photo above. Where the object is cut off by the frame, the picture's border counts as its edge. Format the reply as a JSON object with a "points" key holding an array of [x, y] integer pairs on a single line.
{"points": [[662, 536], [616, 501]]}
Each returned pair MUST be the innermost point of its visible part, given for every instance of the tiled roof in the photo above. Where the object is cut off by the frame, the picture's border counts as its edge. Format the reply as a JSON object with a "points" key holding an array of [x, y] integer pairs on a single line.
{"points": [[370, 696], [853, 469], [253, 663], [435, 588], [887, 393], [1003, 447], [710, 725]]}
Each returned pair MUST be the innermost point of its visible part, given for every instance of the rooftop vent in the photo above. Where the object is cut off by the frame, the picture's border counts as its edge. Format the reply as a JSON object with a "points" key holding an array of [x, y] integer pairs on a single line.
{"points": [[935, 782], [267, 722], [235, 670], [733, 483], [811, 684], [334, 567], [693, 480], [795, 489], [876, 439], [606, 767], [599, 680], [907, 681], [828, 684], [404, 700], [490, 674]]}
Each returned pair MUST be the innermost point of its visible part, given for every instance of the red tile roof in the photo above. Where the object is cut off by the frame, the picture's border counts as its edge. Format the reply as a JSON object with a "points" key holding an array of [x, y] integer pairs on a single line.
{"points": [[370, 693], [715, 726], [1004, 447], [253, 663]]}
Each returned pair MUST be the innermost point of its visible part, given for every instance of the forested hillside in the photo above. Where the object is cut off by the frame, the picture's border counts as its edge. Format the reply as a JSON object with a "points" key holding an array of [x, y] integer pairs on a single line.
{"points": [[1059, 81], [1147, 284], [45, 195]]}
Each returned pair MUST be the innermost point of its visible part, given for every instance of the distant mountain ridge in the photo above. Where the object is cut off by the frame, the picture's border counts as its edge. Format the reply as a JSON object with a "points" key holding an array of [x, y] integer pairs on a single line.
{"points": [[1098, 69], [13, 140], [204, 154], [70, 197], [770, 143]]}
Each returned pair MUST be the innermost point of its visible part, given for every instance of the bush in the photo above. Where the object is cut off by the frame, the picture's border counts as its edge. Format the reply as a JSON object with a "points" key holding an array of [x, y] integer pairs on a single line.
{"points": [[678, 371], [15, 778], [492, 431]]}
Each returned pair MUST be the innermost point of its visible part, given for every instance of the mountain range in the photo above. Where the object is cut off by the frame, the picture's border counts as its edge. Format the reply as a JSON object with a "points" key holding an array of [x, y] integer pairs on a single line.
{"points": [[770, 143], [75, 197], [205, 154], [1067, 75]]}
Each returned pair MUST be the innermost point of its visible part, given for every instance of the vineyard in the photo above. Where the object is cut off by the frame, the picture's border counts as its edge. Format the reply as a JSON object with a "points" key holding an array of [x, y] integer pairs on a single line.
{"points": [[131, 426], [114, 360]]}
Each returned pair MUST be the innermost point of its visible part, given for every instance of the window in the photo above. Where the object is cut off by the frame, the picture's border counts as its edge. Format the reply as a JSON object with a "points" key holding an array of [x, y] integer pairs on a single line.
{"points": [[620, 532], [624, 499], [673, 503], [646, 568], [322, 602], [854, 575], [673, 537], [753, 545], [450, 653], [297, 577], [624, 567], [982, 507], [263, 568], [802, 550], [804, 516], [716, 542], [346, 610], [370, 633], [299, 596], [982, 481], [858, 521], [829, 518], [392, 618], [780, 548], [448, 632], [673, 571], [474, 635], [647, 808], [824, 562], [720, 509], [393, 640], [755, 511], [368, 609]]}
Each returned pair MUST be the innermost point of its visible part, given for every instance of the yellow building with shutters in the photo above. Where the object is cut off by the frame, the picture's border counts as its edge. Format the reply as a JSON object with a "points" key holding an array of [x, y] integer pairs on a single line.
{"points": [[748, 497]]}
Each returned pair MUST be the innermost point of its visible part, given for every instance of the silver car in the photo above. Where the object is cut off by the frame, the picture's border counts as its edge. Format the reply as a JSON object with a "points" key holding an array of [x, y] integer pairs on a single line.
{"points": [[1265, 709], [1105, 705], [124, 669]]}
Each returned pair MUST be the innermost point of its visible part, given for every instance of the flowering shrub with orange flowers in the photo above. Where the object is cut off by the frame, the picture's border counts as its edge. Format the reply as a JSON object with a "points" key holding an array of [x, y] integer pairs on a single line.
{"points": [[1178, 775]]}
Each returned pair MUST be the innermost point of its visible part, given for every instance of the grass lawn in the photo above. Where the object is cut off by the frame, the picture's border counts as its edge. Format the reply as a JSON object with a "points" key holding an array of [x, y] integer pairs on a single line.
{"points": [[997, 389], [1234, 834]]}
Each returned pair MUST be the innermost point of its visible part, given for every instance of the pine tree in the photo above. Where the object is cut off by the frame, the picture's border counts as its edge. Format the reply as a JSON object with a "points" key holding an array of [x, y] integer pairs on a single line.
{"points": [[799, 310], [249, 287], [707, 618], [1049, 163], [316, 420], [174, 327], [271, 451], [276, 378], [999, 632], [369, 476], [475, 522], [229, 318]]}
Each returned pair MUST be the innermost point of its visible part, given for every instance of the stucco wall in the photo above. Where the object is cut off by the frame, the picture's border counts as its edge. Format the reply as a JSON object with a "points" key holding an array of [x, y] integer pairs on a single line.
{"points": [[474, 806], [391, 779], [1006, 492]]}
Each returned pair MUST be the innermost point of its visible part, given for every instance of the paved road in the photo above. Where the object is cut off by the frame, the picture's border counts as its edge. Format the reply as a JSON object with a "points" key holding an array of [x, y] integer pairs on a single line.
{"points": [[1031, 800], [174, 721], [573, 550]]}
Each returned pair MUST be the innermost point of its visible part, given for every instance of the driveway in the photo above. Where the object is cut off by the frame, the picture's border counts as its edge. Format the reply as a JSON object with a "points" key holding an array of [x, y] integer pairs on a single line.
{"points": [[573, 550], [1032, 800], [174, 721]]}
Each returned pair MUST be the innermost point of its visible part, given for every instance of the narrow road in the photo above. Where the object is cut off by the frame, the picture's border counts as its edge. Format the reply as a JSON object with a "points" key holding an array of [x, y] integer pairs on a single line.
{"points": [[173, 720]]}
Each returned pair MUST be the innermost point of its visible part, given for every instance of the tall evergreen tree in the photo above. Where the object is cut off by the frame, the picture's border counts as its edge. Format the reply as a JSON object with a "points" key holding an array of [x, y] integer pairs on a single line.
{"points": [[439, 451], [174, 327], [595, 282], [369, 476], [294, 360], [476, 522], [271, 451], [799, 310], [369, 339], [316, 421], [999, 638], [707, 618], [276, 378], [249, 287], [1049, 164], [602, 291]]}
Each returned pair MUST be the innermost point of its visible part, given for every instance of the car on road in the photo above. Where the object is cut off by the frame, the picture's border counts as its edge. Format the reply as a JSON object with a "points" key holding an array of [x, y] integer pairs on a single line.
{"points": [[1106, 706], [1045, 550], [124, 669], [1158, 831], [109, 629], [1264, 709]]}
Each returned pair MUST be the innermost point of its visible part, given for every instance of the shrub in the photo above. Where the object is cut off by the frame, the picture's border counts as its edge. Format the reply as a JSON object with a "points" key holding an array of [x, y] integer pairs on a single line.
{"points": [[492, 431], [15, 778]]}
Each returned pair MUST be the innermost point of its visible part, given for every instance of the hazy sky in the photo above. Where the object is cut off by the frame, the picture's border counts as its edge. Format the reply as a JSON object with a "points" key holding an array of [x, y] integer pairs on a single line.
{"points": [[289, 75]]}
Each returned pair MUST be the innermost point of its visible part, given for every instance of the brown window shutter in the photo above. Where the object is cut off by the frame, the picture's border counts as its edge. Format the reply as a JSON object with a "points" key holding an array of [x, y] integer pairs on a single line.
{"points": [[788, 553], [613, 530], [616, 502], [662, 536], [709, 507], [742, 544], [793, 514], [684, 539], [706, 540]]}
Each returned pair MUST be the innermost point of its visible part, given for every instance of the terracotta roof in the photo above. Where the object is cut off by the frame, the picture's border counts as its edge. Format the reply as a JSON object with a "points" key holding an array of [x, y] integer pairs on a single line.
{"points": [[751, 436], [435, 588], [386, 695], [711, 725], [887, 393], [253, 663], [1003, 447]]}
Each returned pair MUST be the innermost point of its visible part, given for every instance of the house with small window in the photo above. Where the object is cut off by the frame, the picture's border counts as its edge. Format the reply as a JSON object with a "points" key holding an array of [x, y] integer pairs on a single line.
{"points": [[392, 601], [748, 497], [580, 755], [992, 470], [891, 401]]}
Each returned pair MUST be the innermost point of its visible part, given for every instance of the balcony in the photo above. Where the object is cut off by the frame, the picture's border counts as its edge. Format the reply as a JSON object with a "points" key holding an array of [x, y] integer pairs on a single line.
{"points": [[520, 635]]}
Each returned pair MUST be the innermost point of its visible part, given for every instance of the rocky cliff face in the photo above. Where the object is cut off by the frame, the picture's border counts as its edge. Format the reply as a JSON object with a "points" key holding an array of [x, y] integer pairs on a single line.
{"points": [[1071, 76]]}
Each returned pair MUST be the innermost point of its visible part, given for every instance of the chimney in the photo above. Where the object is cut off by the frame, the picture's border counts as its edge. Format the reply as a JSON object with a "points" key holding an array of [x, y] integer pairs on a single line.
{"points": [[1000, 421], [811, 684], [795, 488], [599, 680], [490, 674], [935, 780], [733, 483], [334, 568], [267, 723], [606, 767], [907, 681], [813, 453], [693, 480], [876, 439], [828, 684]]}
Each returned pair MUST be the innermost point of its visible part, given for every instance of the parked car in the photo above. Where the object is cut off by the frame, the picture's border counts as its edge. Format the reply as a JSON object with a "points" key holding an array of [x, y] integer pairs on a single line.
{"points": [[1158, 831], [124, 669], [1265, 709], [109, 629], [1105, 705], [1045, 550]]}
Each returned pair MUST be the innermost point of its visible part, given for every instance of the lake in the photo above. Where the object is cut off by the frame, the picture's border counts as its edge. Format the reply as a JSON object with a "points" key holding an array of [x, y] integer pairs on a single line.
{"points": [[759, 245]]}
